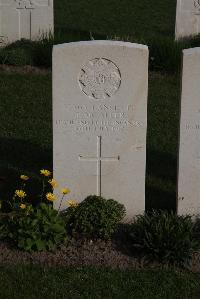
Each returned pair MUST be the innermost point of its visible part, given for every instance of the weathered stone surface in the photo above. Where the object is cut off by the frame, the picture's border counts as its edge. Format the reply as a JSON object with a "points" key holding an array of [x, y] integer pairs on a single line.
{"points": [[187, 18], [100, 119], [25, 19], [189, 152]]}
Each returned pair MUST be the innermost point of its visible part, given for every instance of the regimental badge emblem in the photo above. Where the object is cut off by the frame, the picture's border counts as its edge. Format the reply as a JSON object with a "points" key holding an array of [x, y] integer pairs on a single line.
{"points": [[99, 79], [197, 4]]}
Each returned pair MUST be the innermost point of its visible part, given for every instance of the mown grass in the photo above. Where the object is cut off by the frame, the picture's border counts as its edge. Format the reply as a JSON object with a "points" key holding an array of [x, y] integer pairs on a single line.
{"points": [[140, 19], [26, 142], [162, 141], [71, 283], [25, 127], [147, 22], [26, 131]]}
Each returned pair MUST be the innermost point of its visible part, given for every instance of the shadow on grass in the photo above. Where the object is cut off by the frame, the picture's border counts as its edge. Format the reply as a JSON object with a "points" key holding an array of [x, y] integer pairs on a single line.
{"points": [[21, 157], [158, 199], [161, 174], [24, 157], [162, 165]]}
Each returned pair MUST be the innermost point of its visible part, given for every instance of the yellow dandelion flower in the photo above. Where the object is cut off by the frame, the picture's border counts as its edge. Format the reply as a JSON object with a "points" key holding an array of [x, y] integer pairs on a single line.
{"points": [[22, 206], [72, 203], [45, 172], [50, 196], [24, 177], [65, 191], [53, 183], [20, 193]]}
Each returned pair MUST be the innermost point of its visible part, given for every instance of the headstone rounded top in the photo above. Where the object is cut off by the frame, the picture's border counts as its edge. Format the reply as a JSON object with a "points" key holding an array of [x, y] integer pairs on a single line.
{"points": [[103, 43], [99, 78], [191, 51]]}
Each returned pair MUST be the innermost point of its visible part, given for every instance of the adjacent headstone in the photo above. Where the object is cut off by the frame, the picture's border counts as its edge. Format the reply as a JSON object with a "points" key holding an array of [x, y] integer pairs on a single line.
{"points": [[100, 120], [189, 155], [187, 18], [25, 19]]}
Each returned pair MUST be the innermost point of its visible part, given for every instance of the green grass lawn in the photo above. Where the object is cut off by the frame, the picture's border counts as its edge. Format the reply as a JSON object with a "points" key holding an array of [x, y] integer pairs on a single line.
{"points": [[26, 122], [140, 19], [26, 131], [33, 282], [162, 140], [26, 107], [26, 147], [25, 127]]}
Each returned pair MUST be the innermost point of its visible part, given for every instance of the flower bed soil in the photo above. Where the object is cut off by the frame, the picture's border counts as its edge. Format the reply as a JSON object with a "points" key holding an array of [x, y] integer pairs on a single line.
{"points": [[83, 253], [75, 253]]}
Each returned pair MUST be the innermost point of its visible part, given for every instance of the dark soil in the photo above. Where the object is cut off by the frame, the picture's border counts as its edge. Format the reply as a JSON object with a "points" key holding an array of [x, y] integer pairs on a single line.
{"points": [[83, 253], [75, 253]]}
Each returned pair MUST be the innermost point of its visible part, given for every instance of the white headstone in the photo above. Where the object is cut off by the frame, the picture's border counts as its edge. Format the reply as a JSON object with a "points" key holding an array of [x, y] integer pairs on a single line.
{"points": [[100, 120], [187, 18], [189, 152], [25, 19]]}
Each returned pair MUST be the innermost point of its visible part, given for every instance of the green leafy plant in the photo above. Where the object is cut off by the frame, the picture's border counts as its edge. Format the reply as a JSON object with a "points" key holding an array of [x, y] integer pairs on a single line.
{"points": [[42, 50], [40, 228], [4, 231], [22, 197], [33, 226], [15, 56], [196, 233], [95, 217], [163, 236]]}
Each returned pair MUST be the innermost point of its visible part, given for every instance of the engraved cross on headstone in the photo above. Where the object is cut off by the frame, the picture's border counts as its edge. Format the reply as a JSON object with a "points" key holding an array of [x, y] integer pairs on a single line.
{"points": [[24, 9], [28, 5], [99, 159], [197, 15]]}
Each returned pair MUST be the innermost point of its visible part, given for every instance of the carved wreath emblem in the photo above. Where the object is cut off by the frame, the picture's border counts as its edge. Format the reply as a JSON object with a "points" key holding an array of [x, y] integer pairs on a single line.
{"points": [[99, 79], [197, 4]]}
